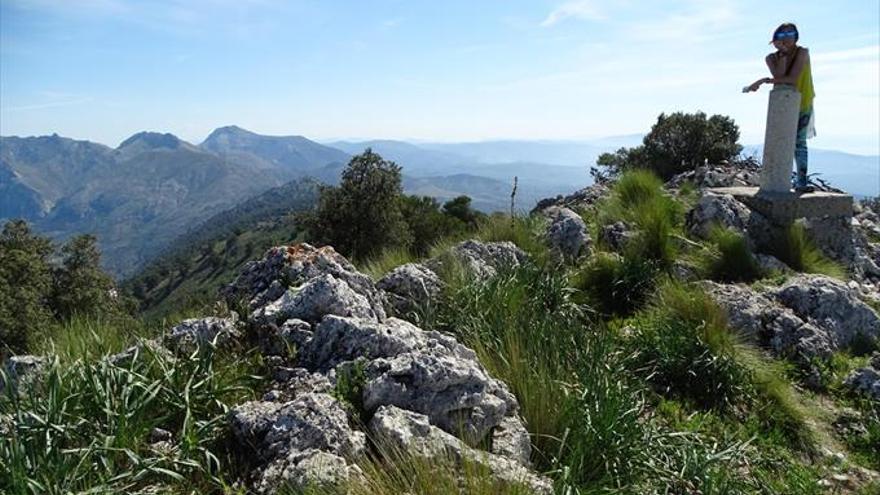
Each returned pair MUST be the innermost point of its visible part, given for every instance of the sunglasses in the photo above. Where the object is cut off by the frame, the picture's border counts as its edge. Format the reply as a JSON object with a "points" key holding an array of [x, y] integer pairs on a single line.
{"points": [[784, 35]]}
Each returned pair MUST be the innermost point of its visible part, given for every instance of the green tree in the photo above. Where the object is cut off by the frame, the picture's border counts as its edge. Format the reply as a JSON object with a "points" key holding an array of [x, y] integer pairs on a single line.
{"points": [[426, 223], [81, 286], [363, 215], [677, 143], [25, 286], [460, 208]]}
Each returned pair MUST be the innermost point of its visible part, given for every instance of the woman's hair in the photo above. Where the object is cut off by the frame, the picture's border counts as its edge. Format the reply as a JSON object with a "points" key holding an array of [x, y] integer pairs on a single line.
{"points": [[786, 27]]}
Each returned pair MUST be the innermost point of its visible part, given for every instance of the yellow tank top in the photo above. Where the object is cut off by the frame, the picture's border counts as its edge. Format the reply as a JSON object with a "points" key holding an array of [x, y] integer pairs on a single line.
{"points": [[805, 87]]}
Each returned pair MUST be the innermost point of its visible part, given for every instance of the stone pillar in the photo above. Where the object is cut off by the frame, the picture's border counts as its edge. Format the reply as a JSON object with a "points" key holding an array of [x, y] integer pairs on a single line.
{"points": [[779, 139]]}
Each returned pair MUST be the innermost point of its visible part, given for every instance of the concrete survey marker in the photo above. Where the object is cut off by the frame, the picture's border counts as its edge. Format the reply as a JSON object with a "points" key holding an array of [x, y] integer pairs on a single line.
{"points": [[779, 139]]}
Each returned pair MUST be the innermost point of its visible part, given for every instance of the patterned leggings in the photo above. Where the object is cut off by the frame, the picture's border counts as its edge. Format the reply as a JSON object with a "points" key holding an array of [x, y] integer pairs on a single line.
{"points": [[800, 146]]}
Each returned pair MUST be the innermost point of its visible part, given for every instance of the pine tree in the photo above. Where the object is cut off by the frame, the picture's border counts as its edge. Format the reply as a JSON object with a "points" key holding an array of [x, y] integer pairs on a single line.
{"points": [[25, 286]]}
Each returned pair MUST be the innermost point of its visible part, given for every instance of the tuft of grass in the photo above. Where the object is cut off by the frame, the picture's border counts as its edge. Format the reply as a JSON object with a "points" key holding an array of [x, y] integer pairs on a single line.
{"points": [[638, 199], [731, 260], [686, 351], [386, 261], [614, 285], [84, 427], [524, 231], [89, 338], [796, 250]]}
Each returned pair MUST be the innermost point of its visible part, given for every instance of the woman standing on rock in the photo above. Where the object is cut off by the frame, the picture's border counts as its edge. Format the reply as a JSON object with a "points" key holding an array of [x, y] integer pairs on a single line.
{"points": [[790, 64]]}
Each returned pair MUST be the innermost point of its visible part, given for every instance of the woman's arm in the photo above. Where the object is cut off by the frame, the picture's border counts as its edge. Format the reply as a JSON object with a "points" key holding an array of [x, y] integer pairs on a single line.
{"points": [[779, 77]]}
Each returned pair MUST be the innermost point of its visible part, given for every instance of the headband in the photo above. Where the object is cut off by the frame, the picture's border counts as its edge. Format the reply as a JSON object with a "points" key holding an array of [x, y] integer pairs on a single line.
{"points": [[781, 35]]}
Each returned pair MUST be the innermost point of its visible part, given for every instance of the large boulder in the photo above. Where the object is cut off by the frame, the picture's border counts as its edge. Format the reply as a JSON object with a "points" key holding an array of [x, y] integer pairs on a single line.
{"points": [[401, 431], [410, 287], [567, 233]]}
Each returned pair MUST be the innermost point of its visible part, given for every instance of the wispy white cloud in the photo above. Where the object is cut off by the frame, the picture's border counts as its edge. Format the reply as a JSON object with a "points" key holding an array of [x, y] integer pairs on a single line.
{"points": [[577, 9], [863, 53], [700, 21]]}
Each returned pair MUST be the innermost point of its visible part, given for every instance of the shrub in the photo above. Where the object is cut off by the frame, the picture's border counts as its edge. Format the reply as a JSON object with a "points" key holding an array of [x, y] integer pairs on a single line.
{"points": [[677, 143]]}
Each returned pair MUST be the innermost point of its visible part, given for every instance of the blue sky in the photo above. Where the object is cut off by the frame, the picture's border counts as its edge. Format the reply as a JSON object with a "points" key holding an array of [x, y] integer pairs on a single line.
{"points": [[438, 71]]}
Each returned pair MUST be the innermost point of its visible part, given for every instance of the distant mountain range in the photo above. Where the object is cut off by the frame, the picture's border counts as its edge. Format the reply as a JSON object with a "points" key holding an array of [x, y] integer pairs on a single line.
{"points": [[138, 197]]}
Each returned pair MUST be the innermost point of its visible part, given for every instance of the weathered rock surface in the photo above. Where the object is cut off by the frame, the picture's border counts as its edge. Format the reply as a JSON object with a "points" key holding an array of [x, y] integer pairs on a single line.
{"points": [[717, 209], [406, 431], [275, 340], [151, 346], [333, 317], [567, 233], [264, 281], [831, 305], [866, 381], [410, 286], [762, 320], [189, 335], [582, 199], [617, 235], [302, 442], [741, 173], [21, 369], [809, 316], [322, 295]]}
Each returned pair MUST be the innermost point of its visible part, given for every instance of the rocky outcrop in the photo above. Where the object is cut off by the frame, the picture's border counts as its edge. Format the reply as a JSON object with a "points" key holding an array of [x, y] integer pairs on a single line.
{"points": [[831, 305], [567, 233], [617, 235], [265, 281], [809, 316], [583, 199], [348, 349], [304, 442], [742, 173]]}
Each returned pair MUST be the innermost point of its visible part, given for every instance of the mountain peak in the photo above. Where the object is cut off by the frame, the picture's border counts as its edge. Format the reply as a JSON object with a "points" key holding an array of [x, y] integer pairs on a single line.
{"points": [[152, 140]]}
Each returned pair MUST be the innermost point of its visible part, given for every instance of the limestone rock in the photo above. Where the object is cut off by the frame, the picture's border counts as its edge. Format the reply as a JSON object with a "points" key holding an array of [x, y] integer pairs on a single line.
{"points": [[287, 435], [866, 381], [830, 304], [567, 233], [277, 340], [456, 394], [264, 281], [484, 260], [22, 369], [511, 440], [191, 334], [410, 286], [405, 431], [717, 209], [762, 320], [617, 235], [322, 295], [769, 263]]}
